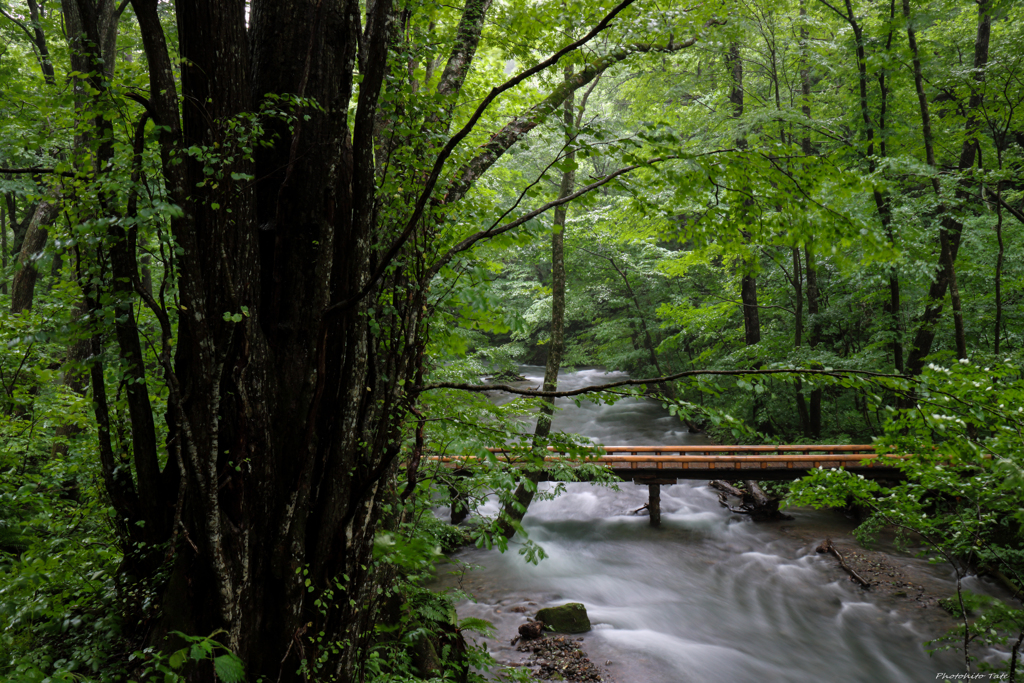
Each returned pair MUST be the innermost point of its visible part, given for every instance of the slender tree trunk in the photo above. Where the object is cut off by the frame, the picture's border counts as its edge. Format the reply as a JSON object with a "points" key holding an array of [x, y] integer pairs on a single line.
{"points": [[3, 247], [751, 318], [999, 266], [76, 379], [748, 285], [882, 205], [950, 229], [523, 495], [805, 81], [813, 336], [810, 421], [748, 282], [881, 198], [798, 291], [45, 65]]}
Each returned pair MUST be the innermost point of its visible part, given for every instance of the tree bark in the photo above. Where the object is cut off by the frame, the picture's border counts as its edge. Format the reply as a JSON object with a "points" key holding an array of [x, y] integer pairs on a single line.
{"points": [[20, 228], [748, 285], [24, 285], [809, 427]]}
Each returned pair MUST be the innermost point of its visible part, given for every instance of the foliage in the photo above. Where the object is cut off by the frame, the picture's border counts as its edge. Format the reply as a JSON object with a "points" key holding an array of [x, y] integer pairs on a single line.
{"points": [[778, 176], [960, 447]]}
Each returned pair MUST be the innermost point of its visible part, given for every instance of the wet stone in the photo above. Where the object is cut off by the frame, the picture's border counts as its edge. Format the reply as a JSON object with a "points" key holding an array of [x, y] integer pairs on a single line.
{"points": [[568, 618]]}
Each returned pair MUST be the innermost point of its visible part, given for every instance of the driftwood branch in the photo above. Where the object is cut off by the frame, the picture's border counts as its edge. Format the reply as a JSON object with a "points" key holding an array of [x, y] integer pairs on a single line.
{"points": [[826, 546]]}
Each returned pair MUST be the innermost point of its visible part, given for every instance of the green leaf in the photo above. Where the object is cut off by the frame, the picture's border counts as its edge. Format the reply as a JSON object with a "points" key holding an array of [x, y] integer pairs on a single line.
{"points": [[178, 658], [229, 668]]}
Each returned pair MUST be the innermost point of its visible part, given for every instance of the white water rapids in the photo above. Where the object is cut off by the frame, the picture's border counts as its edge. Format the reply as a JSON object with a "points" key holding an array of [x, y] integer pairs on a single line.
{"points": [[710, 596]]}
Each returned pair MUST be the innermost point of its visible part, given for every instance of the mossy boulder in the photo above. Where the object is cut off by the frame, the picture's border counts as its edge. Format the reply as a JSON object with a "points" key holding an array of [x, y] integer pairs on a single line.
{"points": [[507, 376], [569, 618]]}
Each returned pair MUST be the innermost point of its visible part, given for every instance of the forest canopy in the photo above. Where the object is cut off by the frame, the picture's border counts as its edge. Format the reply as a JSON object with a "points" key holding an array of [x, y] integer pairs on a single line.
{"points": [[261, 260]]}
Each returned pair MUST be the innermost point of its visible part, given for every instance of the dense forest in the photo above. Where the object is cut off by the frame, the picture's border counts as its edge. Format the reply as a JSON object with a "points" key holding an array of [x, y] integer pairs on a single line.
{"points": [[260, 260]]}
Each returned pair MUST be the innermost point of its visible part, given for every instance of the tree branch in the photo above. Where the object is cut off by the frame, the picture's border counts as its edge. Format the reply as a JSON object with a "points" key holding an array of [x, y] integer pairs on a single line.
{"points": [[34, 170], [20, 25], [516, 129], [1016, 214], [494, 231], [442, 157]]}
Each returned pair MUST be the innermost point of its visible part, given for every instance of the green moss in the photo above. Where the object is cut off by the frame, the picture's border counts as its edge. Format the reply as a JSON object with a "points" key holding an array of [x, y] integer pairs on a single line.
{"points": [[569, 618]]}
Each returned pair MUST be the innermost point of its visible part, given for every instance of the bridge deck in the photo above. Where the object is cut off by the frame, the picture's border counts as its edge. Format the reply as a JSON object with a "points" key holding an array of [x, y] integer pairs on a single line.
{"points": [[667, 464]]}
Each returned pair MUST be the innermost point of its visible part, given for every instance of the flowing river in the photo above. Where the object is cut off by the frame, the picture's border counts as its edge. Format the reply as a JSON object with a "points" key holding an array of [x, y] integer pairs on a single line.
{"points": [[710, 596]]}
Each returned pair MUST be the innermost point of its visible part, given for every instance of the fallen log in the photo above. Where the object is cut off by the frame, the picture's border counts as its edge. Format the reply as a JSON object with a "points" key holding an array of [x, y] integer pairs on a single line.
{"points": [[725, 488], [753, 501], [826, 546]]}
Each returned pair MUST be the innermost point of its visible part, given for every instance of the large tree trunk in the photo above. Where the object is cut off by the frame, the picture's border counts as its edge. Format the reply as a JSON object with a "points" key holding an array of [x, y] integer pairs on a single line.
{"points": [[285, 401], [300, 319]]}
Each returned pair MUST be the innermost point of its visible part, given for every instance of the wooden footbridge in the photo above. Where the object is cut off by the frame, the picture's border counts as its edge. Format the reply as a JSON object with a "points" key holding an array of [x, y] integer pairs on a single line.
{"points": [[657, 466]]}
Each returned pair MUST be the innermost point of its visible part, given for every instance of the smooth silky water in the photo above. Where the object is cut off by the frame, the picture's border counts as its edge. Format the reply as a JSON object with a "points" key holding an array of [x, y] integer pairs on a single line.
{"points": [[709, 596]]}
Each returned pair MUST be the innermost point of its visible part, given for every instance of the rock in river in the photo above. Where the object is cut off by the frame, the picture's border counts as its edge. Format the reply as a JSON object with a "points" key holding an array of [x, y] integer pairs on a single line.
{"points": [[568, 618]]}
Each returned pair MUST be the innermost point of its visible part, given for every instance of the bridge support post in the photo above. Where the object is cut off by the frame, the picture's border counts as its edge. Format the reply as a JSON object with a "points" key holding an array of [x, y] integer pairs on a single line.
{"points": [[654, 504]]}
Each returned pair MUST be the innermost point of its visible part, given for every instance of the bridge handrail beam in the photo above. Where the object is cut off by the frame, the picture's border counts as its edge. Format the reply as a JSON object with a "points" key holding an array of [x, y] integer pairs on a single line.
{"points": [[661, 460]]}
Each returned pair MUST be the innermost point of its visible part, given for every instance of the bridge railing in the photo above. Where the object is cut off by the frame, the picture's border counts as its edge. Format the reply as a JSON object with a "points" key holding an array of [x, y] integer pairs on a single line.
{"points": [[716, 457]]}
